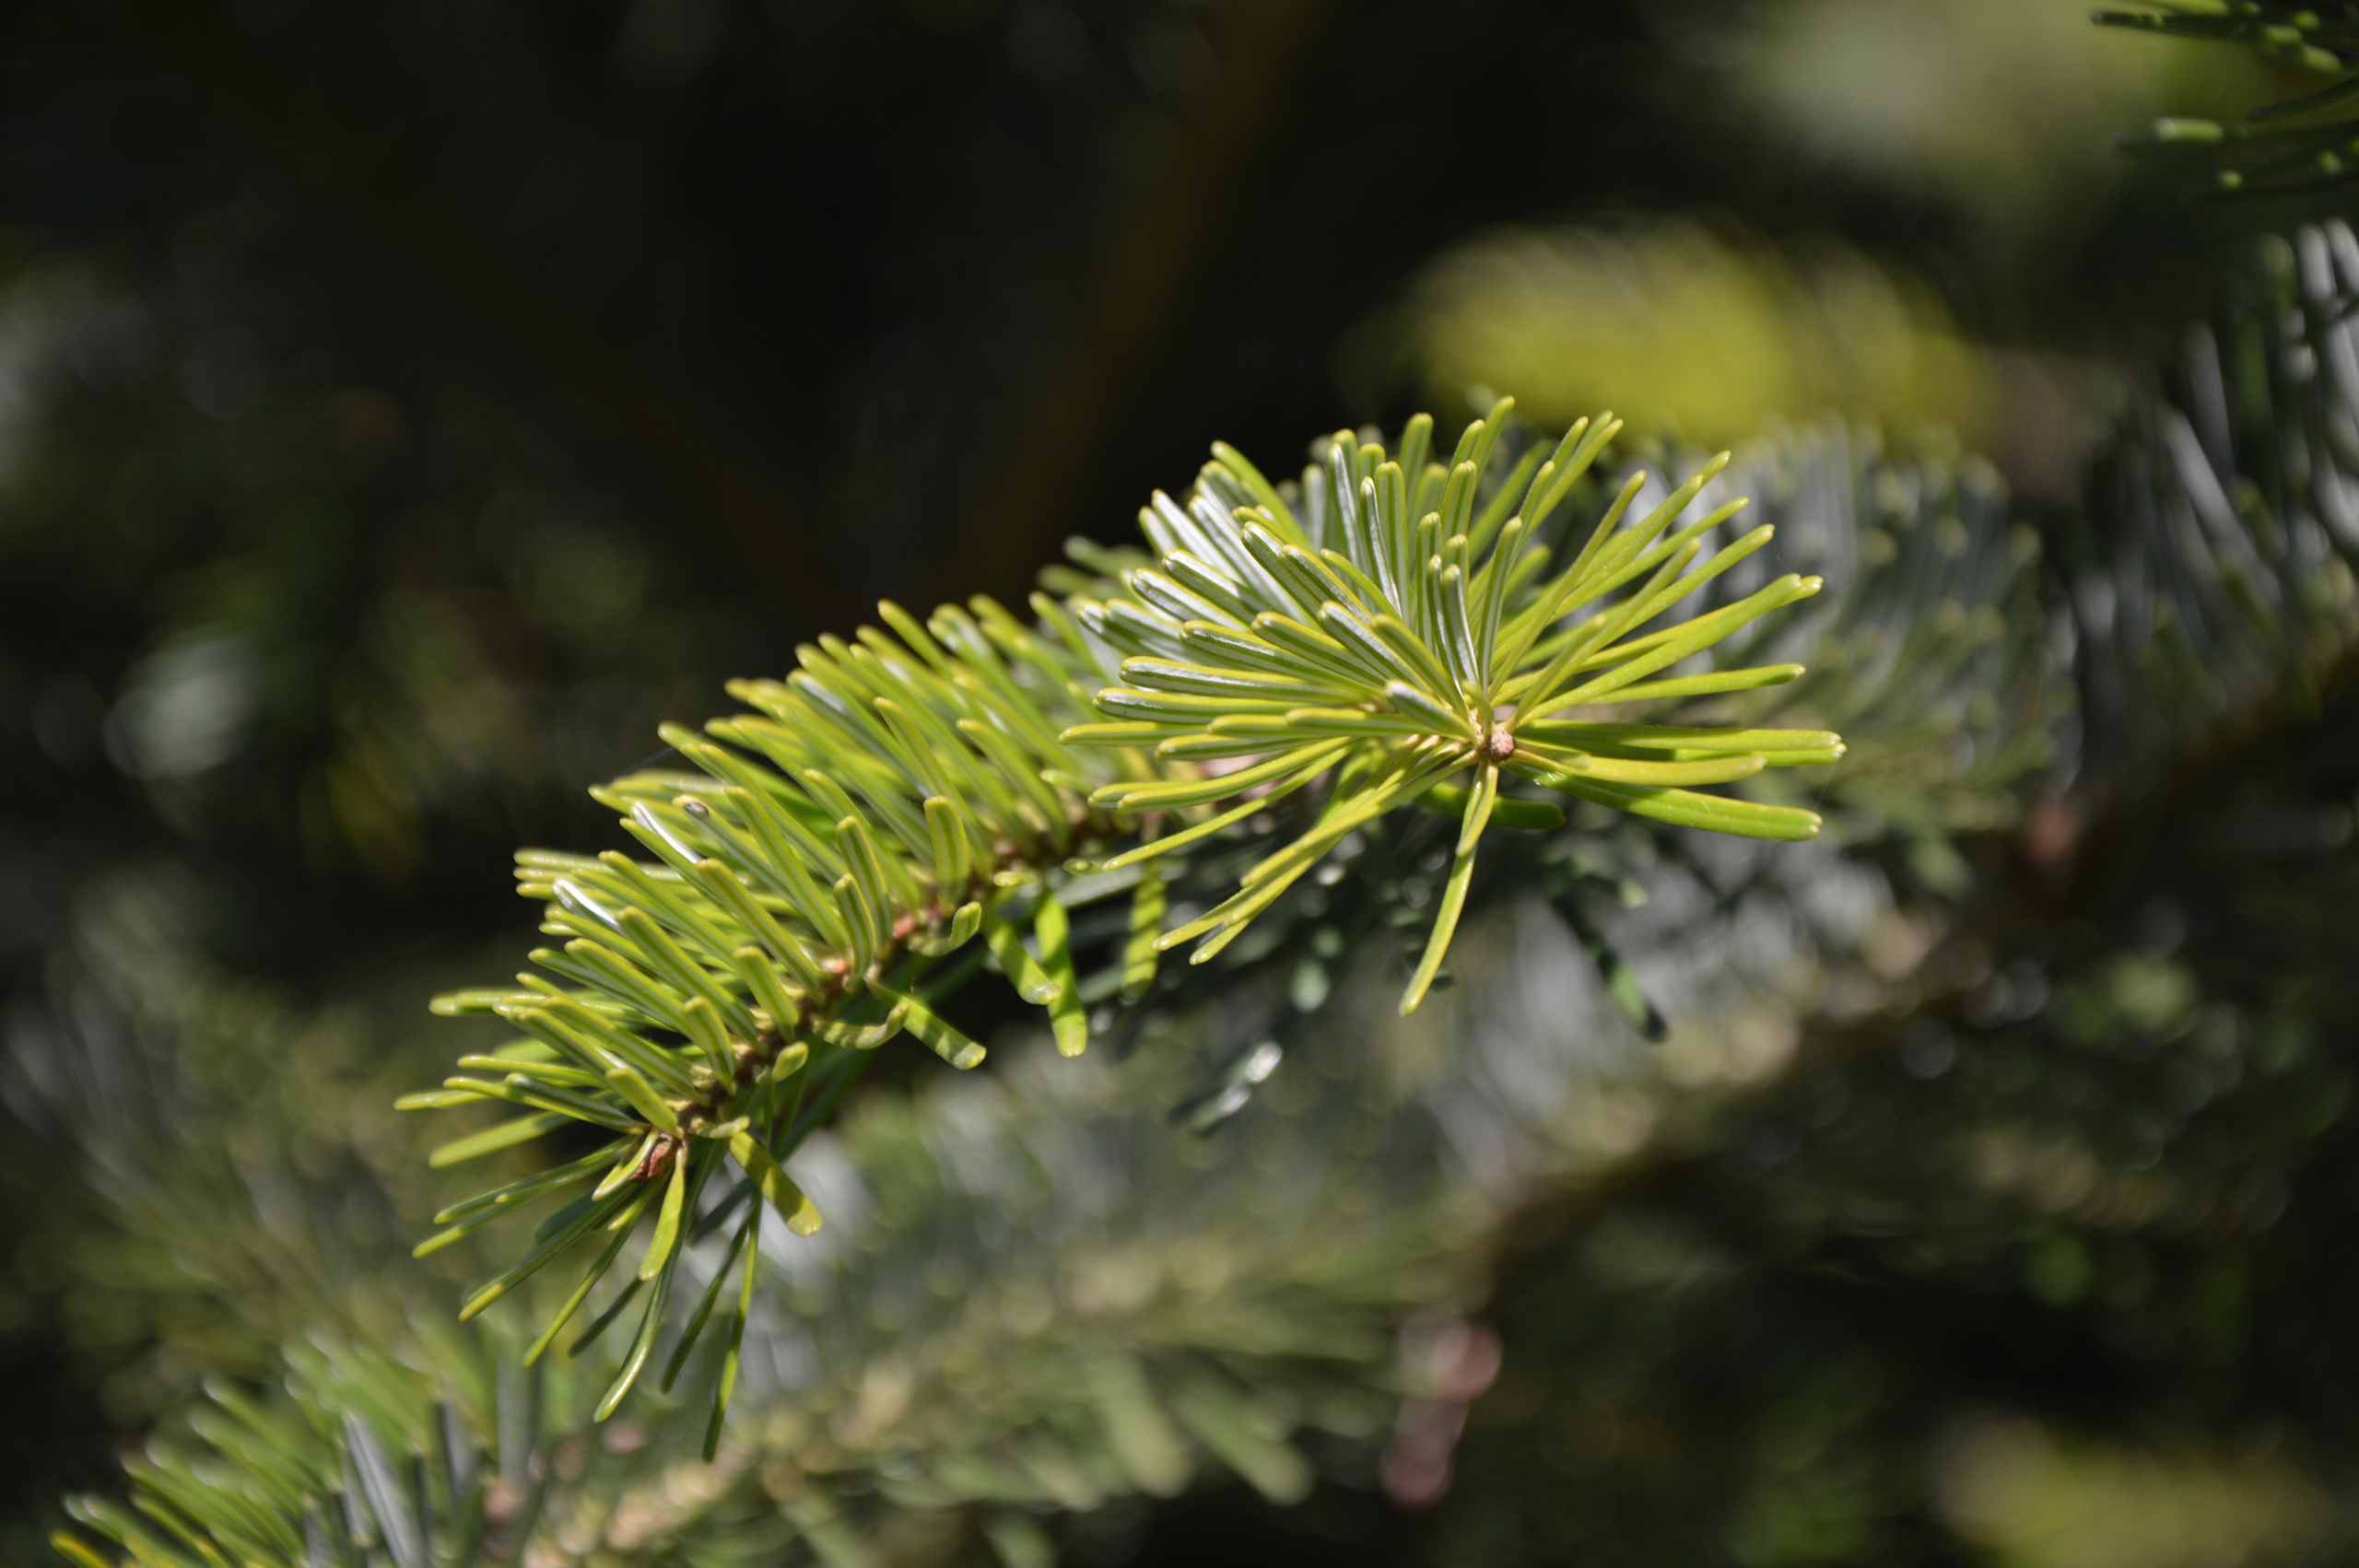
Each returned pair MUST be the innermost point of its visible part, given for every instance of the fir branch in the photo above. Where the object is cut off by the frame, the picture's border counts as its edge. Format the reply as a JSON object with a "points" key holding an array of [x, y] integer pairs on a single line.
{"points": [[911, 801], [2281, 147], [1945, 632], [1332, 1216], [1934, 664], [2215, 565]]}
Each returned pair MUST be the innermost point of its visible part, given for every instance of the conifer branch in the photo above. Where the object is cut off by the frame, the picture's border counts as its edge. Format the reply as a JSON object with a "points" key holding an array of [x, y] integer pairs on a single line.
{"points": [[2229, 493], [1055, 1416], [2297, 144], [1910, 666], [1384, 633]]}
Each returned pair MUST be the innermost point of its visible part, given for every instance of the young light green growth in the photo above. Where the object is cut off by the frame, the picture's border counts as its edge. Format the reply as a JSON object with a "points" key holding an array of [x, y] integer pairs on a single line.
{"points": [[1388, 636], [917, 803]]}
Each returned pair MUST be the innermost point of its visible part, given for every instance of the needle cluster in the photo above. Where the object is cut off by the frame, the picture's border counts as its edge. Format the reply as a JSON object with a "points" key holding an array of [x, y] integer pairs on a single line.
{"points": [[925, 800]]}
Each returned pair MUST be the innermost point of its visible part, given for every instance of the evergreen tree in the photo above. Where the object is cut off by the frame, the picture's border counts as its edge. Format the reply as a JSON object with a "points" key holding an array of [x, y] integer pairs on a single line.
{"points": [[1873, 1096]]}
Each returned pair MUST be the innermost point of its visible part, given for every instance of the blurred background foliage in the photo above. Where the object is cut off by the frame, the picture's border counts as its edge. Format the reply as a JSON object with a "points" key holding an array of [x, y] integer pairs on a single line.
{"points": [[1701, 336], [402, 408]]}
